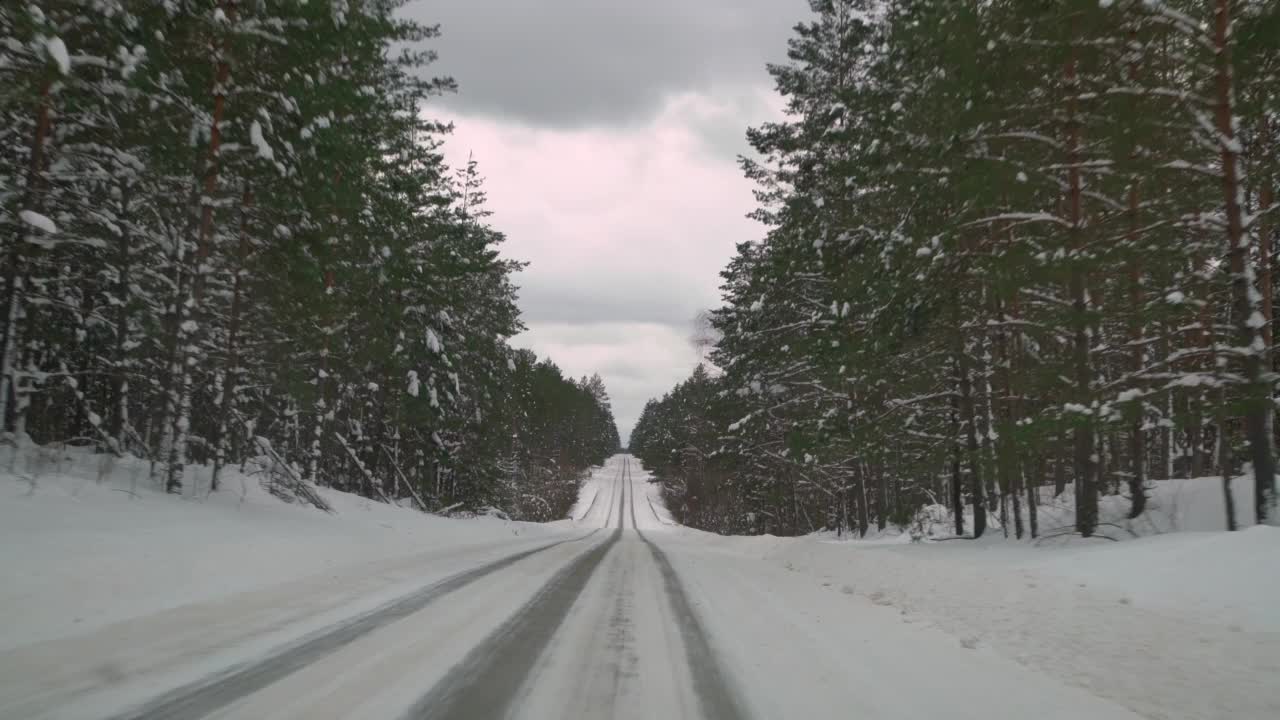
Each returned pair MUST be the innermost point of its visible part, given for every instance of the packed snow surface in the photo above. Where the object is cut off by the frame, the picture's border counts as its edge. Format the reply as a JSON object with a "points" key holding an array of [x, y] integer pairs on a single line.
{"points": [[236, 605]]}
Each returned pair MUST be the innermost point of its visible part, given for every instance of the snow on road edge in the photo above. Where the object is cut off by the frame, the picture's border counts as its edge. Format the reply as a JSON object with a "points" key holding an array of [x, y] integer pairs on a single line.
{"points": [[78, 553]]}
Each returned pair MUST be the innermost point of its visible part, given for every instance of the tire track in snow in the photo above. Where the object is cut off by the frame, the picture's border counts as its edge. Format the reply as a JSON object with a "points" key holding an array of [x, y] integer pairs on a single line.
{"points": [[206, 696], [590, 507], [489, 679], [709, 682]]}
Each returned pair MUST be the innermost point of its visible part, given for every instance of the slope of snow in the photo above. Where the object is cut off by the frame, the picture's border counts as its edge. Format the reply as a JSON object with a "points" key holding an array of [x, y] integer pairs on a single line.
{"points": [[651, 511], [1173, 625], [801, 648], [597, 497], [78, 553], [123, 592], [1178, 505], [1223, 578]]}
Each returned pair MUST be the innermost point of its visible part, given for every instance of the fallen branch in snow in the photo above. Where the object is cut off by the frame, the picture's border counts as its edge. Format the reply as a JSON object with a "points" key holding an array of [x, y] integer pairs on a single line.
{"points": [[282, 474], [368, 476], [1069, 531], [94, 418], [404, 481], [1118, 527]]}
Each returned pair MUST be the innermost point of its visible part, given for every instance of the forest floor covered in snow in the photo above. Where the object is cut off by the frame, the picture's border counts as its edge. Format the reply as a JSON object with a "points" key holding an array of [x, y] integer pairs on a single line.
{"points": [[1177, 619], [114, 589], [87, 540]]}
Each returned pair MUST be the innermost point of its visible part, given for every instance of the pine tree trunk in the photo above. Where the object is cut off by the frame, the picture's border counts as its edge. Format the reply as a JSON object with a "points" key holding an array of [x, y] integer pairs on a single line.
{"points": [[120, 381], [1248, 316], [1017, 513], [1224, 462], [957, 487], [1060, 465], [1006, 344], [1085, 453], [1033, 496], [15, 287], [1266, 198], [970, 420], [882, 497], [1166, 429], [1138, 435], [171, 382], [1221, 445], [322, 408], [864, 523], [192, 334], [231, 371], [1201, 336]]}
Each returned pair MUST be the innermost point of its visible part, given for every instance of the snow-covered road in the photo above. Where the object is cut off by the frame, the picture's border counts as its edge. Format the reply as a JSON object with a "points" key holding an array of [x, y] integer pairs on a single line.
{"points": [[619, 615]]}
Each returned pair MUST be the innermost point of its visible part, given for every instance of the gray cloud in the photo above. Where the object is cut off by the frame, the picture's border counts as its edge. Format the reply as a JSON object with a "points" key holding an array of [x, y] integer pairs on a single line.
{"points": [[608, 131], [575, 63], [630, 299]]}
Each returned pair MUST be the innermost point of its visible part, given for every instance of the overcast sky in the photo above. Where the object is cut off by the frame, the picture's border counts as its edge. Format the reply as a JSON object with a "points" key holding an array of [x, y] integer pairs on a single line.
{"points": [[608, 132]]}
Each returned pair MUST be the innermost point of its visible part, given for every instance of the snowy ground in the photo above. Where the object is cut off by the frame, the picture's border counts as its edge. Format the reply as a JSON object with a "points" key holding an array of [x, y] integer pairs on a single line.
{"points": [[79, 554], [234, 606], [1173, 625]]}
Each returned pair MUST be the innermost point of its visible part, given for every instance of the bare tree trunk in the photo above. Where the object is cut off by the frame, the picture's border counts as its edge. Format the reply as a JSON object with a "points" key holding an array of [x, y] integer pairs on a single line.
{"points": [[120, 380], [882, 499], [1166, 426], [1248, 316], [1138, 434], [193, 329], [1224, 462], [1003, 409], [864, 523], [1266, 198], [957, 487], [164, 421], [1060, 466], [1085, 453], [231, 371], [15, 287], [1222, 444], [1033, 493], [969, 417], [322, 410]]}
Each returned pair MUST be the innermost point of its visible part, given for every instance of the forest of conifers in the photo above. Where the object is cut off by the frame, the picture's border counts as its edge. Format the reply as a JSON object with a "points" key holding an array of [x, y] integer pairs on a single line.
{"points": [[228, 237], [1013, 246]]}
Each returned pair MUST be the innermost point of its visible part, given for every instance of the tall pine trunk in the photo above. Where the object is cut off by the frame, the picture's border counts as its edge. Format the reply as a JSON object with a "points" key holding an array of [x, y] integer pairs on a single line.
{"points": [[193, 330], [1085, 453], [1248, 316], [957, 486], [322, 410], [229, 378], [1266, 199], [15, 282], [120, 378], [970, 420], [1137, 433]]}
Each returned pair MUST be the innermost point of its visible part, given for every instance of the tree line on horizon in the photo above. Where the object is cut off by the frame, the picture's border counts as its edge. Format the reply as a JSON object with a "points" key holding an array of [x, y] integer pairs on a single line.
{"points": [[228, 234], [1014, 250]]}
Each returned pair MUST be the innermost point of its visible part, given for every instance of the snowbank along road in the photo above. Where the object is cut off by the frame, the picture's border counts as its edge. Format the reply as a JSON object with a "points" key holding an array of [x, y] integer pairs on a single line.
{"points": [[624, 616]]}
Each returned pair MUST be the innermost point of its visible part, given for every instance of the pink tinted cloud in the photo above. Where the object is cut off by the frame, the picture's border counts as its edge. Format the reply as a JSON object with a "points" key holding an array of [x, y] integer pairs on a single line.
{"points": [[626, 230]]}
